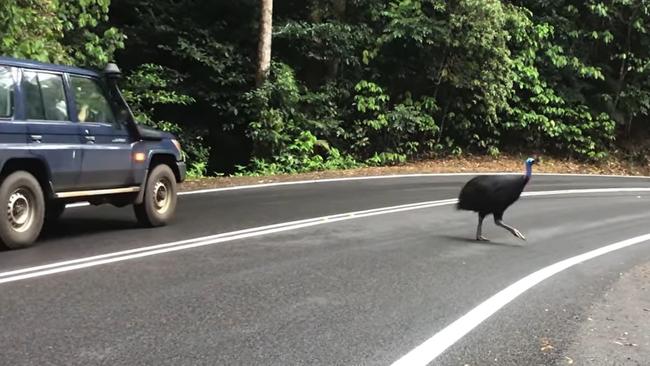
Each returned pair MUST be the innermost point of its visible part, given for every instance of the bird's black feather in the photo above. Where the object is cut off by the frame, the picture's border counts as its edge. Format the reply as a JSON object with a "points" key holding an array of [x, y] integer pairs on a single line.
{"points": [[491, 194]]}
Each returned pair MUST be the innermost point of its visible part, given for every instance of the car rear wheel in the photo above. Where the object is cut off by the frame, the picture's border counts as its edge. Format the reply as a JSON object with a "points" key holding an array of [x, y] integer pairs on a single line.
{"points": [[22, 198], [160, 195]]}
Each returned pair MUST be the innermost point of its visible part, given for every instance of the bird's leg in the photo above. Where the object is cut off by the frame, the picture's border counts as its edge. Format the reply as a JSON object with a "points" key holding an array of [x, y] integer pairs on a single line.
{"points": [[499, 222], [479, 229]]}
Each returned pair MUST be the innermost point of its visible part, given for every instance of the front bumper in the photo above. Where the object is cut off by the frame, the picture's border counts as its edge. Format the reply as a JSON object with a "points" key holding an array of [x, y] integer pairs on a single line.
{"points": [[182, 171]]}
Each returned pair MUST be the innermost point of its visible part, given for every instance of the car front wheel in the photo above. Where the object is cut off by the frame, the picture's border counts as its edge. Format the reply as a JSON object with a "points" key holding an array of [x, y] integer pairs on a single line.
{"points": [[159, 203], [24, 205]]}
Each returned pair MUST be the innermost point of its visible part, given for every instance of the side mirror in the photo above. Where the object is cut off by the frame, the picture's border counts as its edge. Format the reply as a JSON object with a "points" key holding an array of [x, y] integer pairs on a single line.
{"points": [[112, 72]]}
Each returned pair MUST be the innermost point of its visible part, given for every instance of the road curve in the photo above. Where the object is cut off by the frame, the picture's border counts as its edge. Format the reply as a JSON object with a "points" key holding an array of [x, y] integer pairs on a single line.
{"points": [[363, 291]]}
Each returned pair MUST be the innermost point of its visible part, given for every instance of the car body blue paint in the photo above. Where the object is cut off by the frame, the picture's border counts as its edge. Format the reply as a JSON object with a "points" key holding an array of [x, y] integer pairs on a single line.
{"points": [[78, 156]]}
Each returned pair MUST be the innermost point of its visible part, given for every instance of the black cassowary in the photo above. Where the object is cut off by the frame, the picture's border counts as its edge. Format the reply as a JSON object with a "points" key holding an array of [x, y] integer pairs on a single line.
{"points": [[493, 194]]}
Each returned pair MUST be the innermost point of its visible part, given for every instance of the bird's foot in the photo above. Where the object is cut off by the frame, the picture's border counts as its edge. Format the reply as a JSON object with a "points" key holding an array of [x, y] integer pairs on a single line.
{"points": [[482, 238], [518, 234]]}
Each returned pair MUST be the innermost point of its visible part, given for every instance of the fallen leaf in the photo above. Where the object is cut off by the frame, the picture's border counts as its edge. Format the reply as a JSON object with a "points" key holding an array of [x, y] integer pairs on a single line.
{"points": [[546, 345]]}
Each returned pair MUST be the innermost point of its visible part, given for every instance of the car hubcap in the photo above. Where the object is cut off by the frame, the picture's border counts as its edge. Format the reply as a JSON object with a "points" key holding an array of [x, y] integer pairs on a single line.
{"points": [[19, 210], [161, 195]]}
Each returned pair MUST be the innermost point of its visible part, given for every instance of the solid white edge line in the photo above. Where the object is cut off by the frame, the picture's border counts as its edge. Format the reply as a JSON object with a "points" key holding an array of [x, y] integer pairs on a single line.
{"points": [[393, 176], [428, 351], [260, 230], [372, 177], [584, 191], [256, 231], [161, 249]]}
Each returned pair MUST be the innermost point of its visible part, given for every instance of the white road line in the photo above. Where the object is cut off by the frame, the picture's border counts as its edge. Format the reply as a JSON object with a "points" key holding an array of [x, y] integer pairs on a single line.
{"points": [[65, 266], [441, 341], [74, 264], [583, 191], [393, 176], [372, 177]]}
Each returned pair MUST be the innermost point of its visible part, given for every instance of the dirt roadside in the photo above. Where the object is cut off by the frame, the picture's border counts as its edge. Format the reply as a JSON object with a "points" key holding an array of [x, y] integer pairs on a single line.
{"points": [[450, 165]]}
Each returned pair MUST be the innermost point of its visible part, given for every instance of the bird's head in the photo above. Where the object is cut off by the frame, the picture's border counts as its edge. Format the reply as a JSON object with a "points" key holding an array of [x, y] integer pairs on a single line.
{"points": [[530, 161]]}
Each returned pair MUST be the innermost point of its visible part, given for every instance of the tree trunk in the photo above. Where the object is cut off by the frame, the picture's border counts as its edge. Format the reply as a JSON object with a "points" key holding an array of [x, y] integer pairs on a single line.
{"points": [[624, 65], [264, 46], [339, 8]]}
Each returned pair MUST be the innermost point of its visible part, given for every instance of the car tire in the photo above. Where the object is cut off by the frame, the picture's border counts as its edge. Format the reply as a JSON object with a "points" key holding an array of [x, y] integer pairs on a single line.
{"points": [[159, 200], [53, 212], [22, 198]]}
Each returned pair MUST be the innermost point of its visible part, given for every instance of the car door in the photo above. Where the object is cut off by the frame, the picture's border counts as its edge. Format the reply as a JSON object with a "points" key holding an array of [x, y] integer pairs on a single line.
{"points": [[107, 145], [11, 131], [52, 136]]}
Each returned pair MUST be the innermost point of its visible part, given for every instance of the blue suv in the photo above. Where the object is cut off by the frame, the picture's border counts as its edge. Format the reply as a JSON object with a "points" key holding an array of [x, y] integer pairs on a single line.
{"points": [[67, 135]]}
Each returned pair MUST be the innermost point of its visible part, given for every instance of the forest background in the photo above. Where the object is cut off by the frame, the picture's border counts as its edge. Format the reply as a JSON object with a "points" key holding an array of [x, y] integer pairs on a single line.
{"points": [[361, 83]]}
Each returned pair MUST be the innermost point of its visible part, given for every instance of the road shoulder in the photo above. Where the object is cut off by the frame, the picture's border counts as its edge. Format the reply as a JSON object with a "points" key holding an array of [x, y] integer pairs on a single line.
{"points": [[617, 330], [464, 164]]}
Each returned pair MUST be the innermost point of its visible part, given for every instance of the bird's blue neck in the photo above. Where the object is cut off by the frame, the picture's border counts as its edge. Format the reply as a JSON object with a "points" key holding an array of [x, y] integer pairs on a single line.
{"points": [[529, 172]]}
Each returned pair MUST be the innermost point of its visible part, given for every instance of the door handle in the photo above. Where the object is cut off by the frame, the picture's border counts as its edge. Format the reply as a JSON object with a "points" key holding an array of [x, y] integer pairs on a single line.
{"points": [[36, 138], [90, 139]]}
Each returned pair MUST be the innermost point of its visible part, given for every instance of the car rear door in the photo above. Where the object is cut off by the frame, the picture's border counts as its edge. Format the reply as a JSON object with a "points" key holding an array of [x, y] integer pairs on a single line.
{"points": [[52, 136], [107, 144]]}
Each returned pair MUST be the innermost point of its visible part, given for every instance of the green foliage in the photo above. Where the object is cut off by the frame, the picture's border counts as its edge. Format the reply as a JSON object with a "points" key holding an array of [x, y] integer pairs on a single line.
{"points": [[300, 156], [435, 77], [287, 127], [385, 135], [612, 38], [327, 41], [31, 29], [541, 116], [69, 32], [360, 82], [152, 86]]}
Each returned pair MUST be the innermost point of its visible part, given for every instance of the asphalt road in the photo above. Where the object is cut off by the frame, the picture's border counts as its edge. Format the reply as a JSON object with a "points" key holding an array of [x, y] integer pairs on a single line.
{"points": [[358, 292]]}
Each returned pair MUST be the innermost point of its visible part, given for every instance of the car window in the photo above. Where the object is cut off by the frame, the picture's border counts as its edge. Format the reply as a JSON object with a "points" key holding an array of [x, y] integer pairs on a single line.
{"points": [[45, 96], [6, 92], [92, 105]]}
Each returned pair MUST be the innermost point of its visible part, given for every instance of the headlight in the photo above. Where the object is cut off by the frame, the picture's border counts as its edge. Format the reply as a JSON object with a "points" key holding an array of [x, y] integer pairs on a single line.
{"points": [[177, 144]]}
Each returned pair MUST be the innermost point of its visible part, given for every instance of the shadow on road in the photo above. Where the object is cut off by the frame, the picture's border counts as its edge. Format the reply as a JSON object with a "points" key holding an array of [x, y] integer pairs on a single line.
{"points": [[74, 227], [78, 227], [469, 240]]}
